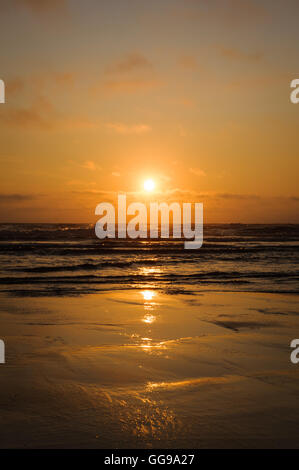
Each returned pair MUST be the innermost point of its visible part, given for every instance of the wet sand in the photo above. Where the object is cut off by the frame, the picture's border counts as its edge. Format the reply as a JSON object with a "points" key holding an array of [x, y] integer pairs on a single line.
{"points": [[143, 369]]}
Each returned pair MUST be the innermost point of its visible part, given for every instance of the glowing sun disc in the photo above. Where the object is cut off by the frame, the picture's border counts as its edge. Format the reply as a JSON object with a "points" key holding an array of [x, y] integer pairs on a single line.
{"points": [[149, 185]]}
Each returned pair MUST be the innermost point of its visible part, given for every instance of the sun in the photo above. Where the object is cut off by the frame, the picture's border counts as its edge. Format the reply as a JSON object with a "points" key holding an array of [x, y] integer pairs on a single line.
{"points": [[149, 185]]}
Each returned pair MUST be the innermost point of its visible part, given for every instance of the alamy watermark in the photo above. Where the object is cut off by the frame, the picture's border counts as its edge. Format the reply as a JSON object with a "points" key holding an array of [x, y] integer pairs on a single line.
{"points": [[295, 354], [2, 352], [2, 92], [294, 96], [138, 226]]}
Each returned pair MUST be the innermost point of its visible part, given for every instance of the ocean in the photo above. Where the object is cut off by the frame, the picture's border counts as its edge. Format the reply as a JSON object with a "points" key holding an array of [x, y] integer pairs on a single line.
{"points": [[68, 259]]}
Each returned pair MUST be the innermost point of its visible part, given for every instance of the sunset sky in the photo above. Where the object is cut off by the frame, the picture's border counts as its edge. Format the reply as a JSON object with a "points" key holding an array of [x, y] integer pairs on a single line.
{"points": [[193, 94]]}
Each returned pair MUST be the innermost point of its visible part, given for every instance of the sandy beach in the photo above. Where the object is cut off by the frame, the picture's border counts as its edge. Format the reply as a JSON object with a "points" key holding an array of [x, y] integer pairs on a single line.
{"points": [[144, 369]]}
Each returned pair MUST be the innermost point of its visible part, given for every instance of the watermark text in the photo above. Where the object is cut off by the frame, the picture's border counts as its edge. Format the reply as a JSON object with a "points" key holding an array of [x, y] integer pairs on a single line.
{"points": [[2, 92], [2, 352], [158, 215], [294, 97]]}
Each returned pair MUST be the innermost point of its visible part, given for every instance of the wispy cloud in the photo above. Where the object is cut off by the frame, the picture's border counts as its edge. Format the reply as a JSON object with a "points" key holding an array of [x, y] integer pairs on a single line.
{"points": [[121, 128], [14, 85], [197, 171], [129, 85], [63, 79], [90, 165], [87, 165], [41, 6], [244, 10], [12, 198], [235, 53], [225, 12], [293, 198], [38, 85], [38, 115], [131, 63], [42, 115], [187, 62], [237, 196], [132, 74]]}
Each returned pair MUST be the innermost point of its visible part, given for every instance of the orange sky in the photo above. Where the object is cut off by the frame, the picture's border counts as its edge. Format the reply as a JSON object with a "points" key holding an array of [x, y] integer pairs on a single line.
{"points": [[193, 94]]}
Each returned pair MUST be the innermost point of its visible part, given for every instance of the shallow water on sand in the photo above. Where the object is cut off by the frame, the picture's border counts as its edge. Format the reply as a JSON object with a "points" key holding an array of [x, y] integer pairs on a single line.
{"points": [[143, 368]]}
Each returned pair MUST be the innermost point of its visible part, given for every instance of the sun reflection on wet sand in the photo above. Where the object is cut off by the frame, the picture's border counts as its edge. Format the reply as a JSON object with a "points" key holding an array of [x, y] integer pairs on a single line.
{"points": [[194, 382], [148, 296], [148, 346], [149, 318]]}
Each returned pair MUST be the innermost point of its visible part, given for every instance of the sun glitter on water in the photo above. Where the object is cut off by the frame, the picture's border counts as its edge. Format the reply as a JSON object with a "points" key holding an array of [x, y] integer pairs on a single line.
{"points": [[148, 295]]}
